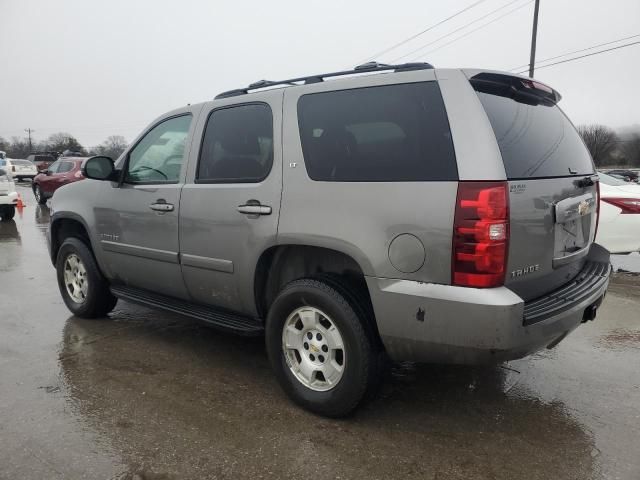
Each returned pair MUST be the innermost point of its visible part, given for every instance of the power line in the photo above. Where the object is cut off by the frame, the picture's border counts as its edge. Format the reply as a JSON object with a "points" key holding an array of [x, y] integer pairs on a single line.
{"points": [[422, 32], [587, 55], [422, 47], [472, 31], [577, 51]]}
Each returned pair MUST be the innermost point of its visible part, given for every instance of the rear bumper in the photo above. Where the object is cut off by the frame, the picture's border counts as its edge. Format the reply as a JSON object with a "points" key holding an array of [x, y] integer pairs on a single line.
{"points": [[444, 324], [10, 199]]}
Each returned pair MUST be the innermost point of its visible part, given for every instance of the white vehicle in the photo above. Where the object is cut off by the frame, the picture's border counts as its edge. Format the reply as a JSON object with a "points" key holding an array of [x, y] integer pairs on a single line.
{"points": [[619, 225], [21, 169], [8, 196]]}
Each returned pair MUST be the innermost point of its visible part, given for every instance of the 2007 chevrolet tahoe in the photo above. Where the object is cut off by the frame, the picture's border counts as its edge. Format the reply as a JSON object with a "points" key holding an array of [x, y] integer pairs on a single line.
{"points": [[432, 215]]}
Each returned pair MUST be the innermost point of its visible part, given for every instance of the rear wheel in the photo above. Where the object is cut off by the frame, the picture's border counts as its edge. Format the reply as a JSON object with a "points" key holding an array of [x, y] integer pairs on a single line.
{"points": [[37, 192], [83, 288], [319, 348], [7, 213]]}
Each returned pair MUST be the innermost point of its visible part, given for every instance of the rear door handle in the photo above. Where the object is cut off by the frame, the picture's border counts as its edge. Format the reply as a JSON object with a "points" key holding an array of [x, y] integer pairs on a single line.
{"points": [[254, 209], [161, 206]]}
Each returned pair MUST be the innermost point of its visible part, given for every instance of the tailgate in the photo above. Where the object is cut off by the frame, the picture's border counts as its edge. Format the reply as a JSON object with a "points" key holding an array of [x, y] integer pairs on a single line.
{"points": [[552, 187], [552, 226]]}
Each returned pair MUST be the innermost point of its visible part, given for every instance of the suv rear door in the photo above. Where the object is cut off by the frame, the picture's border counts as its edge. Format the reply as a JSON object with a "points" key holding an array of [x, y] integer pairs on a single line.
{"points": [[552, 186], [229, 214]]}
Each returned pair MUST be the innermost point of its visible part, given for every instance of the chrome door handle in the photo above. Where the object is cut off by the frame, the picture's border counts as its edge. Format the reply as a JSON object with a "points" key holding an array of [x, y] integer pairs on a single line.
{"points": [[161, 207], [254, 209]]}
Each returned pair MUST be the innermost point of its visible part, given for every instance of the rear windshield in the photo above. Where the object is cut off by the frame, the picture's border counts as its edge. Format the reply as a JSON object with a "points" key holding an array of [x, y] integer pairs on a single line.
{"points": [[24, 163], [391, 133], [535, 140]]}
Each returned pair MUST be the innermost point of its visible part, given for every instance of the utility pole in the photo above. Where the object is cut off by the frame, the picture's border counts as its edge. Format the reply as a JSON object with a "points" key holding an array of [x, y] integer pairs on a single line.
{"points": [[29, 131], [534, 34]]}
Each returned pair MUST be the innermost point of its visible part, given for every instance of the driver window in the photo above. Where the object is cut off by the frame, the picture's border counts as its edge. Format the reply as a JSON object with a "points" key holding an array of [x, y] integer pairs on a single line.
{"points": [[53, 168], [158, 157]]}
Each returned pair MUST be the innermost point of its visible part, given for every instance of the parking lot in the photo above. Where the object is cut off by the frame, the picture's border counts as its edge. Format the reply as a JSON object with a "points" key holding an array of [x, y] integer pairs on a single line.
{"points": [[153, 395]]}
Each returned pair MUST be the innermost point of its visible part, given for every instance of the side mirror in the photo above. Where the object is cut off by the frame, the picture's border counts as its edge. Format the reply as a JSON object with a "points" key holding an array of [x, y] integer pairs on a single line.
{"points": [[99, 168]]}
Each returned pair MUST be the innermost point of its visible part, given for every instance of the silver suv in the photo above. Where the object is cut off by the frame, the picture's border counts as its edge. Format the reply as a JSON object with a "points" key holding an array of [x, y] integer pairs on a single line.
{"points": [[429, 215]]}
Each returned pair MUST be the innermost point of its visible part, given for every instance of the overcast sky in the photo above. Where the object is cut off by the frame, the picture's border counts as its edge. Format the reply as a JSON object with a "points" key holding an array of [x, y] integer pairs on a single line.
{"points": [[95, 68]]}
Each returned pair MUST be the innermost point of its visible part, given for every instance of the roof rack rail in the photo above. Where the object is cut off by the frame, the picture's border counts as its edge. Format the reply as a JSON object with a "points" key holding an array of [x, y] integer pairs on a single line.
{"points": [[364, 68]]}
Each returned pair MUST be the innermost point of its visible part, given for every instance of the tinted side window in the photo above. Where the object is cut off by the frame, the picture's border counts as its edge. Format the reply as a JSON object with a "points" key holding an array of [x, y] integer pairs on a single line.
{"points": [[53, 168], [238, 145], [158, 157], [392, 133], [65, 167]]}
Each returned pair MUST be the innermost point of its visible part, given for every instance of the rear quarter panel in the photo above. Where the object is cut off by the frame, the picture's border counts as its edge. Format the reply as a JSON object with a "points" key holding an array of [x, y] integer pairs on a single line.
{"points": [[361, 219]]}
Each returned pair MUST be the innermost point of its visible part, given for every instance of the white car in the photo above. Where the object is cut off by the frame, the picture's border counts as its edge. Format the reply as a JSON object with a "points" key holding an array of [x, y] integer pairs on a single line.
{"points": [[19, 168], [8, 196], [24, 169], [619, 225]]}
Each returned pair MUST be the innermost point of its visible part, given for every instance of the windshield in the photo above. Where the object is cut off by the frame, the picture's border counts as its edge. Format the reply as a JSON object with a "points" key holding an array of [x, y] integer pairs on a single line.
{"points": [[536, 141]]}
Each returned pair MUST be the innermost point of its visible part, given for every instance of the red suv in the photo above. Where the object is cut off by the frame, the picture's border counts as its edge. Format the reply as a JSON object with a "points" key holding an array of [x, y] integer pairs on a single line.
{"points": [[59, 173]]}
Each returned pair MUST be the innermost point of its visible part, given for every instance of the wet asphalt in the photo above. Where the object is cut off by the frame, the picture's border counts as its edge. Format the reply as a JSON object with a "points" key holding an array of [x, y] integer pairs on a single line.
{"points": [[152, 395]]}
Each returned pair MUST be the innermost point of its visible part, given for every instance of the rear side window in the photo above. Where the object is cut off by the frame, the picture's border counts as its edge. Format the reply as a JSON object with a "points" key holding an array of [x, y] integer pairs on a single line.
{"points": [[536, 141], [392, 133], [237, 146], [65, 167]]}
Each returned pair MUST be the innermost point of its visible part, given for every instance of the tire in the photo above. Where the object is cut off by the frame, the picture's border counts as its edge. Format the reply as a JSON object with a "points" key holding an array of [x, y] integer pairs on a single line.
{"points": [[93, 301], [37, 192], [7, 213], [316, 299]]}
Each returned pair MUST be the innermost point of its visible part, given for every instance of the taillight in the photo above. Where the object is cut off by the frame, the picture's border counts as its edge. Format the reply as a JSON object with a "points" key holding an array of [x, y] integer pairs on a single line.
{"points": [[480, 234], [627, 205]]}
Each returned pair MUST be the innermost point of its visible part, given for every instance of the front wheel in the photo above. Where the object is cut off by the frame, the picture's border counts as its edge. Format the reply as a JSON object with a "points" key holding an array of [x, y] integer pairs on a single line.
{"points": [[319, 348], [37, 192], [7, 213], [83, 288]]}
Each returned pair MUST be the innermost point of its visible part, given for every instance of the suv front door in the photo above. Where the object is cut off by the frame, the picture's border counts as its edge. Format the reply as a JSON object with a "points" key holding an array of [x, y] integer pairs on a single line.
{"points": [[47, 180], [229, 215], [138, 221]]}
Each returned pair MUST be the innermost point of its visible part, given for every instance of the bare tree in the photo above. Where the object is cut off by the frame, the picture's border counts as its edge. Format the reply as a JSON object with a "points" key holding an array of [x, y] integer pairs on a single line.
{"points": [[601, 142], [60, 142], [631, 149], [113, 146], [18, 148]]}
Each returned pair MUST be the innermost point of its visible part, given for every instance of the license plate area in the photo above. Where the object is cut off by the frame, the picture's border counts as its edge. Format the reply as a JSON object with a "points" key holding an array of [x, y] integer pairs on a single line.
{"points": [[572, 228]]}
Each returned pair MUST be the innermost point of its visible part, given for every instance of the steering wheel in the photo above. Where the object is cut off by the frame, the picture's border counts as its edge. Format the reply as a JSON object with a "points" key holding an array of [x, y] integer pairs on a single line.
{"points": [[145, 167]]}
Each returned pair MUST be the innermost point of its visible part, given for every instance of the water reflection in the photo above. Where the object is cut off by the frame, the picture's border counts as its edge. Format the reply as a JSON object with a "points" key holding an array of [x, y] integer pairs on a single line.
{"points": [[42, 214], [9, 232], [10, 243], [179, 399]]}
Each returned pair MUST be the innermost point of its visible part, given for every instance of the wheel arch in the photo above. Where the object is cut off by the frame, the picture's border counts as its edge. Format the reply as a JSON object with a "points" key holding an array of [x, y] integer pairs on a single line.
{"points": [[282, 264], [67, 225]]}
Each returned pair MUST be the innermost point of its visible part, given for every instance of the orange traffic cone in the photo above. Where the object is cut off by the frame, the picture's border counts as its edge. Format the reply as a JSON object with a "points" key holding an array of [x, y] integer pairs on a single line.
{"points": [[20, 205]]}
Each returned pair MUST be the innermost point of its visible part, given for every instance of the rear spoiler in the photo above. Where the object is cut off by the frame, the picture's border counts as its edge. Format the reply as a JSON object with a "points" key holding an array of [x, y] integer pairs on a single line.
{"points": [[521, 89]]}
